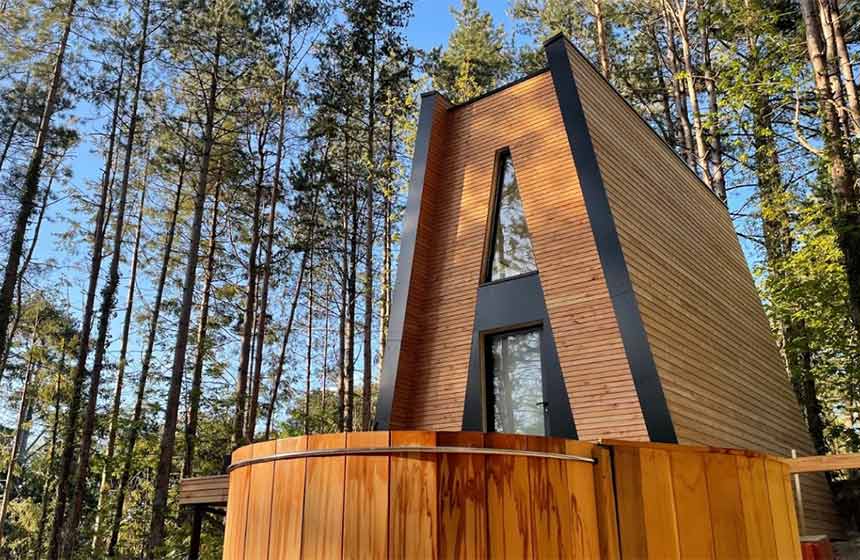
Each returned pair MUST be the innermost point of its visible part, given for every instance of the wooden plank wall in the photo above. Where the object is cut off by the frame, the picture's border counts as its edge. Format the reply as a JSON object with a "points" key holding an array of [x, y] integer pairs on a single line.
{"points": [[432, 375], [414, 505], [689, 502], [723, 376]]}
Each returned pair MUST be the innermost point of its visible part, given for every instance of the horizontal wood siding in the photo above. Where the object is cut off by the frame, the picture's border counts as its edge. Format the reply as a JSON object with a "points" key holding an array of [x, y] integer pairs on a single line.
{"points": [[724, 379], [435, 357]]}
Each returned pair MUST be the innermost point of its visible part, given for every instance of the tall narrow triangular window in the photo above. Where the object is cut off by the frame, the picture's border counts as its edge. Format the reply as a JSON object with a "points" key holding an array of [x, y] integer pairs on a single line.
{"points": [[511, 246]]}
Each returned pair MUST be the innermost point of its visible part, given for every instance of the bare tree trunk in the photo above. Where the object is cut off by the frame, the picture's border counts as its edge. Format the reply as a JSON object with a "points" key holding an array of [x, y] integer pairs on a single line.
{"points": [[243, 429], [279, 370], [351, 297], [70, 429], [49, 468], [201, 345], [678, 12], [168, 436], [341, 331], [107, 469], [108, 302], [602, 32], [326, 301], [845, 66], [718, 180], [134, 429], [686, 139], [310, 340], [16, 320], [387, 240], [262, 319], [31, 181], [16, 434], [370, 223], [837, 153]]}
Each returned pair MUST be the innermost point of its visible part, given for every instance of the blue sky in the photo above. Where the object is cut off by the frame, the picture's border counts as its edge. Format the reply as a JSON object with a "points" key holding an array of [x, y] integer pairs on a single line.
{"points": [[433, 22]]}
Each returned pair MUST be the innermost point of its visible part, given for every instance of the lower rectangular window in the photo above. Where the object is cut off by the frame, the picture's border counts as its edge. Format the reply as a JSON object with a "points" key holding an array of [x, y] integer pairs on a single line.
{"points": [[515, 394]]}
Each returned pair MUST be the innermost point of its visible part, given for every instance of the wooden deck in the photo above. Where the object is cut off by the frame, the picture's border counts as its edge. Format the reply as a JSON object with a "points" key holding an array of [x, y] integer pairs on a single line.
{"points": [[204, 490]]}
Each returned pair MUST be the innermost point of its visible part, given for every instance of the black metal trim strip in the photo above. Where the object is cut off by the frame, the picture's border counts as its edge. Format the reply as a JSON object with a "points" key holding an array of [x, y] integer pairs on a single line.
{"points": [[507, 306], [408, 240], [639, 116], [646, 379]]}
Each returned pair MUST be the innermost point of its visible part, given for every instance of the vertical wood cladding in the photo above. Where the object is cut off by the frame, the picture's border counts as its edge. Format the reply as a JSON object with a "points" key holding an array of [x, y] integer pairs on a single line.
{"points": [[434, 358], [722, 374]]}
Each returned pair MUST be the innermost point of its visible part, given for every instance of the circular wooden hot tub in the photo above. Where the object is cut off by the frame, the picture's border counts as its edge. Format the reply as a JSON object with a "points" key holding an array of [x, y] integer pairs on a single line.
{"points": [[473, 495]]}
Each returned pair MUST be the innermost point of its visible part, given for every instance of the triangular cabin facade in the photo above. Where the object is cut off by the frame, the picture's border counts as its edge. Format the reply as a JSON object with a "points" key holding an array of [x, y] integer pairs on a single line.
{"points": [[562, 272]]}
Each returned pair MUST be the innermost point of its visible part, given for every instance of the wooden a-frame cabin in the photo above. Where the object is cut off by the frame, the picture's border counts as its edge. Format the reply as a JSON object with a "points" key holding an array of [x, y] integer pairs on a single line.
{"points": [[551, 232], [577, 364]]}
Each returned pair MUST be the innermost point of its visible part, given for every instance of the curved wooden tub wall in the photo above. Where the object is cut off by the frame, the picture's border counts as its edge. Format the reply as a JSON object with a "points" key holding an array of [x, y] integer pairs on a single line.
{"points": [[512, 497]]}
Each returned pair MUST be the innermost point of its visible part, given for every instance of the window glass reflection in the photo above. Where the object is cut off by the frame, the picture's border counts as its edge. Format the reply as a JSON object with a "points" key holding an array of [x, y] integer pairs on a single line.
{"points": [[512, 246], [515, 374]]}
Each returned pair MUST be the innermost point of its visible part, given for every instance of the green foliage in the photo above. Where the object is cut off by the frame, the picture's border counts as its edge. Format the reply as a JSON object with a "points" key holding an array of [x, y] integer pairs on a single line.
{"points": [[476, 58]]}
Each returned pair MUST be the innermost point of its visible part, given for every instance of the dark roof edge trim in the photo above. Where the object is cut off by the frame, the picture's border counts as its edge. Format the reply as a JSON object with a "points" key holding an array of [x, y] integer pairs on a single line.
{"points": [[405, 260], [527, 77], [646, 379]]}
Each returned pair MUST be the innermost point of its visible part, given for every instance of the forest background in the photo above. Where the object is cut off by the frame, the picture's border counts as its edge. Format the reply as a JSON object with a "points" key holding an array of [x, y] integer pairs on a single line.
{"points": [[201, 203]]}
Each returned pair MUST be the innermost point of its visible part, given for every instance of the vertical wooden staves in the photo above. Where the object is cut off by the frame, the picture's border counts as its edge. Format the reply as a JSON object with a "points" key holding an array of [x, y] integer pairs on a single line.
{"points": [[260, 502], [607, 513], [365, 512], [658, 501], [756, 507], [782, 510], [628, 487], [508, 500], [322, 524], [288, 492], [693, 510], [413, 522], [237, 513], [583, 506], [462, 498], [724, 493], [550, 507]]}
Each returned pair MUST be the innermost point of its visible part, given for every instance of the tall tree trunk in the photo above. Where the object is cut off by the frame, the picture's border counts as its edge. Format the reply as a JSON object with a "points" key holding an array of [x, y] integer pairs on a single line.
{"points": [[19, 428], [279, 369], [243, 428], [845, 65], [262, 316], [602, 32], [351, 297], [678, 12], [107, 468], [201, 345], [715, 152], [108, 302], [49, 468], [70, 428], [685, 129], [19, 291], [367, 351], [838, 155], [168, 436], [324, 374], [31, 181], [310, 341], [342, 329], [387, 240], [135, 426]]}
